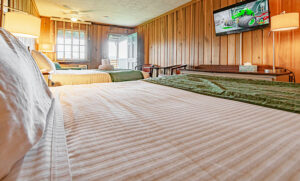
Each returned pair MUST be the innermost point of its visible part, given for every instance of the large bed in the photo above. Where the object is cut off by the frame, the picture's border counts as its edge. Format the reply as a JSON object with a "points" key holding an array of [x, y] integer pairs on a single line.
{"points": [[142, 131], [79, 77], [62, 76]]}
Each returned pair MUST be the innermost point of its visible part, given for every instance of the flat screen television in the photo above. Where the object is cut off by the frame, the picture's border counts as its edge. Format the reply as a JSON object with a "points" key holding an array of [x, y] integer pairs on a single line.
{"points": [[245, 16]]}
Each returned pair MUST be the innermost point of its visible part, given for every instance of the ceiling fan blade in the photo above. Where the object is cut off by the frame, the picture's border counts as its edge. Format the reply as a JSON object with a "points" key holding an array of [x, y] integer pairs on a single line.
{"points": [[87, 11], [67, 7]]}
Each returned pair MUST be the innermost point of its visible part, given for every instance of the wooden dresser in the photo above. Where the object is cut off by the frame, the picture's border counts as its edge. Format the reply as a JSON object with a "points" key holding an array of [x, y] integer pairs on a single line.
{"points": [[233, 71]]}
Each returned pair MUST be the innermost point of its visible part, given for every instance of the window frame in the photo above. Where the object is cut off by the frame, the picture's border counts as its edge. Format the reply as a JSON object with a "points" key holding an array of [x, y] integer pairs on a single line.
{"points": [[72, 60], [118, 41]]}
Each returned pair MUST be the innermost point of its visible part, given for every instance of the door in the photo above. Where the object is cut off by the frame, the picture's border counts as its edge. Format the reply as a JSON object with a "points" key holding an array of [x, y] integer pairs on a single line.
{"points": [[132, 51], [123, 51]]}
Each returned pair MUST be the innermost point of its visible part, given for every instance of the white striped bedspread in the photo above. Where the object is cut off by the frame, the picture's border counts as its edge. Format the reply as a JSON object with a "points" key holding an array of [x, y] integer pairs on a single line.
{"points": [[141, 131]]}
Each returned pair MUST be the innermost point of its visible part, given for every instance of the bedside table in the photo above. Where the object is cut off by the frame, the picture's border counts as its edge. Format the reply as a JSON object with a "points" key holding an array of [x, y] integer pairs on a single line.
{"points": [[47, 77]]}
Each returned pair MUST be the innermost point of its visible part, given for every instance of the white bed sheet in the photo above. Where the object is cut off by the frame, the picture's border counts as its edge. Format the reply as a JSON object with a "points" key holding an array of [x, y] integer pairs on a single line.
{"points": [[142, 131], [47, 160]]}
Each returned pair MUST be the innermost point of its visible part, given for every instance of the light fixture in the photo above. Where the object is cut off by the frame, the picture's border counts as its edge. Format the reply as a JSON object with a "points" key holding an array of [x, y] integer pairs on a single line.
{"points": [[283, 22], [22, 24], [74, 19]]}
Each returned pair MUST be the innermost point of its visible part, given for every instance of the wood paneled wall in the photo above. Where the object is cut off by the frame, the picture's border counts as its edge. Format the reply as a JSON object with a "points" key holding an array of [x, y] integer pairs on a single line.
{"points": [[27, 6], [186, 35], [97, 40]]}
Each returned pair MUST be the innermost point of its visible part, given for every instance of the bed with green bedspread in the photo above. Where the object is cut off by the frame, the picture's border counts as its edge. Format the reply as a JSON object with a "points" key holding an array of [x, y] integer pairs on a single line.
{"points": [[277, 95]]}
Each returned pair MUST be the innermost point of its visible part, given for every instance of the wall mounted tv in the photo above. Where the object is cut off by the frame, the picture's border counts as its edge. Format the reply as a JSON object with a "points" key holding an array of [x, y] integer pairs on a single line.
{"points": [[245, 16]]}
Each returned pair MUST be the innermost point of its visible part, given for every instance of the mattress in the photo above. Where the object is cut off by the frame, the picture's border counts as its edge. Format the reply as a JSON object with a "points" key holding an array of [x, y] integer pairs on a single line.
{"points": [[142, 131]]}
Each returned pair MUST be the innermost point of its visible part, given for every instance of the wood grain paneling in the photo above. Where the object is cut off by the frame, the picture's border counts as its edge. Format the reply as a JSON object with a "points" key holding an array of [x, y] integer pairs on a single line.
{"points": [[27, 6], [97, 40], [187, 35], [1, 12]]}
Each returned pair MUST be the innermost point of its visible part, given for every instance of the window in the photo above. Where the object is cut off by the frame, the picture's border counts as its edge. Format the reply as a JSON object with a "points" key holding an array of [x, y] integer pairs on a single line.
{"points": [[117, 46], [71, 45], [122, 50], [113, 50]]}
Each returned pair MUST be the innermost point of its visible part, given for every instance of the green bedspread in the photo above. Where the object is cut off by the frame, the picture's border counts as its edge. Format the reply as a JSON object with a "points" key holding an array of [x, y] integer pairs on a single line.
{"points": [[125, 75], [277, 95]]}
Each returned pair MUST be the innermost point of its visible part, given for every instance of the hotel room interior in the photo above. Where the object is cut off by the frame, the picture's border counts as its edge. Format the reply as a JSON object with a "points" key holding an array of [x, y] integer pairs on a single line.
{"points": [[149, 90]]}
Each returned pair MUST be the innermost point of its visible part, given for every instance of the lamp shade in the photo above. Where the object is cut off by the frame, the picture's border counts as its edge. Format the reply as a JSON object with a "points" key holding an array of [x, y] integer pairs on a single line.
{"points": [[21, 24], [286, 21]]}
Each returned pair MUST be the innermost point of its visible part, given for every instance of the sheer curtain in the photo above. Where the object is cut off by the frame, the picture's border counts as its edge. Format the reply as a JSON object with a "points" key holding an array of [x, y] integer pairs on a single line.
{"points": [[28, 42]]}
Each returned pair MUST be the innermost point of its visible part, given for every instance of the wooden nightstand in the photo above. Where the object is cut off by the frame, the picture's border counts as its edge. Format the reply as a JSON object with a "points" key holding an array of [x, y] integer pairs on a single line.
{"points": [[47, 77]]}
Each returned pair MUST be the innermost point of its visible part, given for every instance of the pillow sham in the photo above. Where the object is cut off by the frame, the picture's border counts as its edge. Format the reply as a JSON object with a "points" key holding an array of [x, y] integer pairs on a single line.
{"points": [[25, 102], [44, 63]]}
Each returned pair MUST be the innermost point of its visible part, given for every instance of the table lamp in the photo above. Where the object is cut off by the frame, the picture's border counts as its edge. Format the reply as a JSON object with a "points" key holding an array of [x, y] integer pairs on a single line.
{"points": [[22, 24], [283, 22]]}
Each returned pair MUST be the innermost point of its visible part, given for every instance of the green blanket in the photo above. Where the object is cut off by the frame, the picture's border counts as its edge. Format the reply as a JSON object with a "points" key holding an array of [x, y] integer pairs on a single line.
{"points": [[125, 75], [277, 95]]}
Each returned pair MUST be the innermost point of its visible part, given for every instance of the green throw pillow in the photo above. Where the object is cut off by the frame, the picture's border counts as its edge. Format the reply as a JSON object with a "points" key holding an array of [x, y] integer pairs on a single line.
{"points": [[57, 66]]}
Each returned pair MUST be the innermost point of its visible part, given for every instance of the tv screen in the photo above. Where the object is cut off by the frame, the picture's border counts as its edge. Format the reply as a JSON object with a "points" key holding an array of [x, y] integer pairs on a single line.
{"points": [[241, 17]]}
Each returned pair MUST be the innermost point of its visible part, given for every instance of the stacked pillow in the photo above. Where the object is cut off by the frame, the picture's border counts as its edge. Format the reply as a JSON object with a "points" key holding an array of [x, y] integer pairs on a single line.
{"points": [[106, 65], [26, 103]]}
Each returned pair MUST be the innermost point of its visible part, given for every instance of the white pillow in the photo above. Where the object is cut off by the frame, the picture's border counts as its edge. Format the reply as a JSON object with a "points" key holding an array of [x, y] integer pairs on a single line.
{"points": [[26, 102], [44, 63], [106, 65]]}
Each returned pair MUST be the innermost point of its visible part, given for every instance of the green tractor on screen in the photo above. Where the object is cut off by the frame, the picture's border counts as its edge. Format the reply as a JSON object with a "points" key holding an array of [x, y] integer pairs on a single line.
{"points": [[243, 18]]}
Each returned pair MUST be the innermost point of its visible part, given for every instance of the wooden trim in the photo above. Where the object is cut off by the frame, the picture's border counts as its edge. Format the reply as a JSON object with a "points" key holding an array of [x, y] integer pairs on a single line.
{"points": [[235, 69], [64, 25], [27, 6], [67, 21], [2, 12], [46, 73], [55, 43], [116, 26], [89, 23], [35, 7], [73, 62]]}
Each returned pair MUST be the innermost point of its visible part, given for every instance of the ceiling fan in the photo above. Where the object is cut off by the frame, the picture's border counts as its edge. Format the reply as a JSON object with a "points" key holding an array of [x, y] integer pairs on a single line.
{"points": [[76, 14]]}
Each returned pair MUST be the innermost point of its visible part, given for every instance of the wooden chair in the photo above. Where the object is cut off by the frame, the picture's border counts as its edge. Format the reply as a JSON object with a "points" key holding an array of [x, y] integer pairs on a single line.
{"points": [[146, 68], [169, 70], [178, 68]]}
